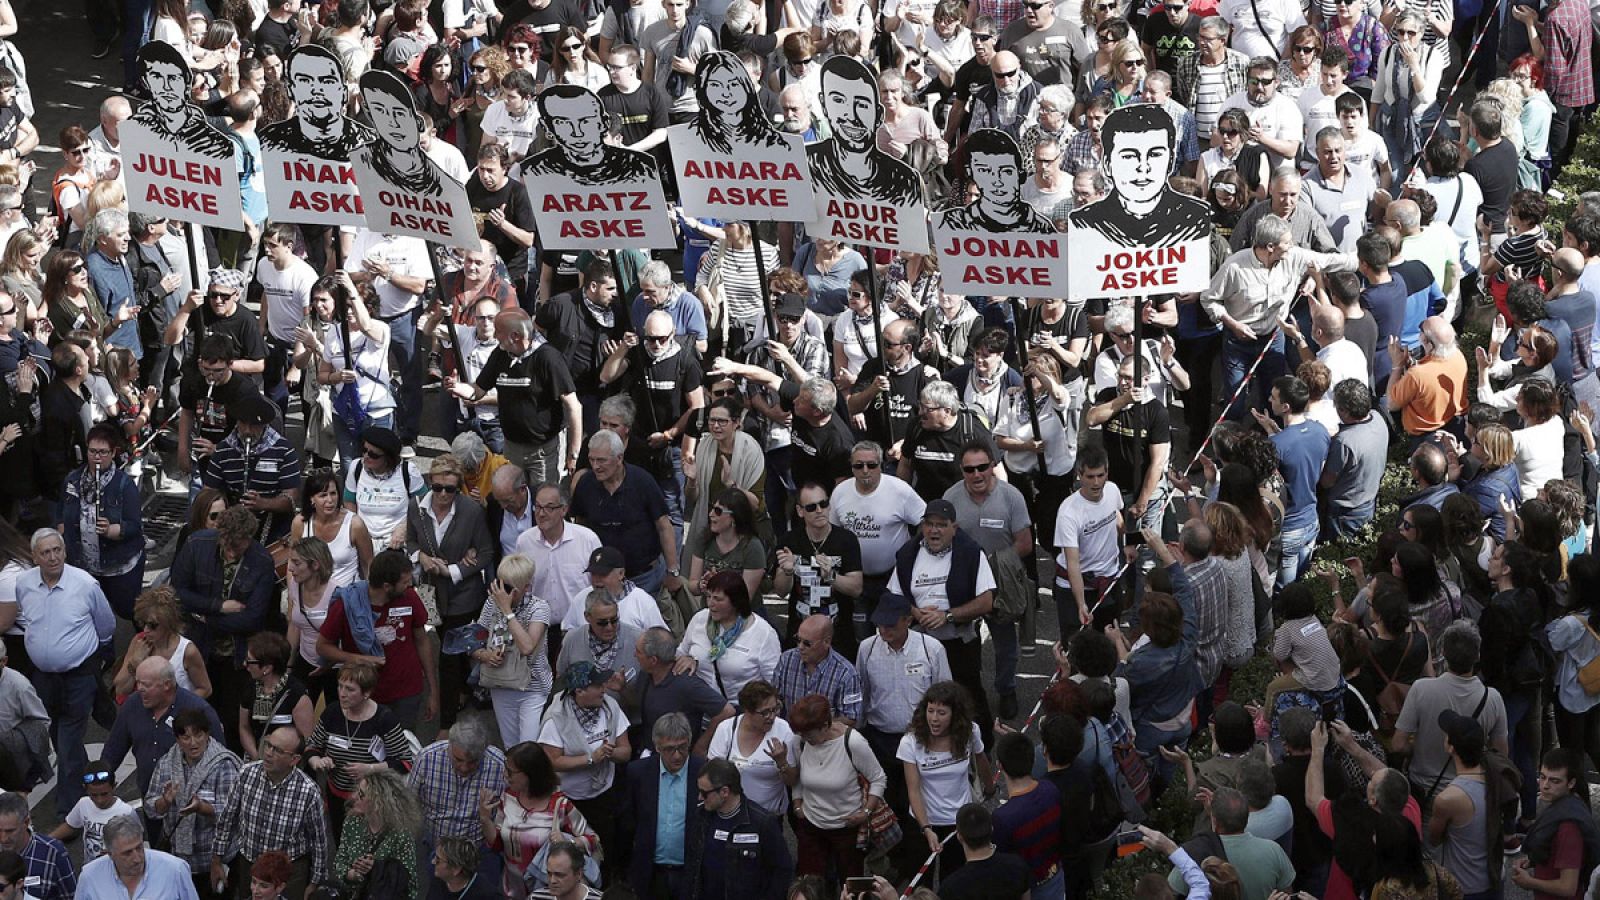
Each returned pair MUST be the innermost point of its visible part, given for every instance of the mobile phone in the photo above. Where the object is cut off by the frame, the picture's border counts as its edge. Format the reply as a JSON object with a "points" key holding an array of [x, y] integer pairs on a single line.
{"points": [[1133, 538], [1129, 843], [858, 887], [1330, 712]]}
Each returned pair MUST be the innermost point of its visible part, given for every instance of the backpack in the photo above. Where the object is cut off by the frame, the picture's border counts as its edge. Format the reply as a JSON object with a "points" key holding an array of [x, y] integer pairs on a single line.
{"points": [[1105, 813], [1392, 696], [1131, 767]]}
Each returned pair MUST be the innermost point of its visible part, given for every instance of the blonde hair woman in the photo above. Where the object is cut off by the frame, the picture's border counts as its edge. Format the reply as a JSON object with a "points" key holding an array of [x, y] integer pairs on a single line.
{"points": [[384, 823], [517, 622], [160, 634], [22, 274]]}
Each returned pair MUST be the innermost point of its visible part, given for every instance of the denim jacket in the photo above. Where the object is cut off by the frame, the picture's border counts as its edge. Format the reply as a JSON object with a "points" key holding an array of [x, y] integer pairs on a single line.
{"points": [[119, 505]]}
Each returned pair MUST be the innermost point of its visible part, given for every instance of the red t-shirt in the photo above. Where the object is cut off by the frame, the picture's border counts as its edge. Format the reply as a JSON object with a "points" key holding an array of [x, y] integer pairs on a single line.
{"points": [[399, 626], [1339, 886], [1565, 853]]}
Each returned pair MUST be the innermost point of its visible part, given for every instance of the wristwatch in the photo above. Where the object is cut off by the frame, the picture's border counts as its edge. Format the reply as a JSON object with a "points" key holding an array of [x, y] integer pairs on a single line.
{"points": [[673, 573]]}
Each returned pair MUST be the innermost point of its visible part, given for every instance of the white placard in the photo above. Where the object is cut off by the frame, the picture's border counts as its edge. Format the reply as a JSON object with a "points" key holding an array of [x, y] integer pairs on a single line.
{"points": [[175, 163], [307, 156], [997, 245], [403, 192]]}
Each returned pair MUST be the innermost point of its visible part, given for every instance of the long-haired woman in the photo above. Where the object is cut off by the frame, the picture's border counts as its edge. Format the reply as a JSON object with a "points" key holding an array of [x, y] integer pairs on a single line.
{"points": [[323, 516], [939, 753], [575, 63]]}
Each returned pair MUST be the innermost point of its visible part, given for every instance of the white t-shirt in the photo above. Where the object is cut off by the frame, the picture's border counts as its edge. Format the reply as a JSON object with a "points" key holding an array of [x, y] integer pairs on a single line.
{"points": [[1538, 455], [1250, 18], [91, 820], [754, 654], [1369, 151], [946, 784], [955, 51], [856, 340], [759, 776], [1316, 110], [516, 133], [1015, 422], [372, 365], [1091, 529], [8, 588], [406, 256], [637, 610], [880, 520], [639, 15], [466, 13], [590, 781], [908, 32], [1345, 361], [445, 155], [287, 295], [1279, 119], [382, 500], [930, 576]]}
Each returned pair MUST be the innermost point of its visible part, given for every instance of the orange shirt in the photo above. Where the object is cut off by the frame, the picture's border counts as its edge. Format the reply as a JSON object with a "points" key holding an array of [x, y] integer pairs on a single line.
{"points": [[1430, 393]]}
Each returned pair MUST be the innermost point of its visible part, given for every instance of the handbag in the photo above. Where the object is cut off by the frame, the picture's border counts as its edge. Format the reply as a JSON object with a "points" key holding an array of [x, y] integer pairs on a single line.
{"points": [[881, 832], [513, 673], [534, 877], [1589, 675]]}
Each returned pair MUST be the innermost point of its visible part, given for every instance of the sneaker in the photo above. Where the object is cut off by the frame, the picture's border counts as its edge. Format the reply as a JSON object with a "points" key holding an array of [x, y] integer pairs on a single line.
{"points": [[103, 49]]}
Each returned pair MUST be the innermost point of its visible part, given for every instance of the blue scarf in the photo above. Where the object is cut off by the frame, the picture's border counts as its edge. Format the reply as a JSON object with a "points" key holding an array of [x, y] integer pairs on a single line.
{"points": [[358, 613]]}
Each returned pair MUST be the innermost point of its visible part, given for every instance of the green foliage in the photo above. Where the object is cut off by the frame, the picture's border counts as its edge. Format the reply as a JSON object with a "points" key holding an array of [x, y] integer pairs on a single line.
{"points": [[1581, 174]]}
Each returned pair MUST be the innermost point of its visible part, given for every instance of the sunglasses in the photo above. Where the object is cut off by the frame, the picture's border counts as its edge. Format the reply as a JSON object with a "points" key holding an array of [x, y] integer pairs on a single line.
{"points": [[725, 392], [446, 488], [252, 662], [219, 295], [78, 151], [1262, 82], [519, 49], [719, 510], [858, 295], [981, 37], [479, 69], [607, 623], [813, 507], [980, 467], [789, 320], [75, 268], [1228, 132], [1123, 335], [654, 339], [1132, 63], [96, 777], [800, 62], [1305, 49], [8, 311], [372, 454], [858, 466], [1010, 74], [572, 48], [1035, 6], [706, 793]]}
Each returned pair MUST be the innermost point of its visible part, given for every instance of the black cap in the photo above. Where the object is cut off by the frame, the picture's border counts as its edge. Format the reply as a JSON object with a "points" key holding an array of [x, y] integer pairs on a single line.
{"points": [[891, 609], [1464, 732], [253, 409], [384, 439], [606, 560], [940, 508], [790, 304]]}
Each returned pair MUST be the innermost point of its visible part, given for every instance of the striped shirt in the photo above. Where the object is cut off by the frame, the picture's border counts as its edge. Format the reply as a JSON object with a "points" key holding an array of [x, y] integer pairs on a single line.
{"points": [[285, 816], [741, 283], [272, 470], [376, 739]]}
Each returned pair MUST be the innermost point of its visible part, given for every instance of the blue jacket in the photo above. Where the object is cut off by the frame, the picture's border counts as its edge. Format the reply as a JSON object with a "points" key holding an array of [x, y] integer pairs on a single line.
{"points": [[758, 869], [119, 505], [148, 738], [1162, 680], [1487, 488], [197, 577], [112, 282], [641, 787]]}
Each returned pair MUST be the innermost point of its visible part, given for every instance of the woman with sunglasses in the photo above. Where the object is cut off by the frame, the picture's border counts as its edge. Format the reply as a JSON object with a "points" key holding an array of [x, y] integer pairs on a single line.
{"points": [[524, 50], [731, 460], [727, 543], [160, 634], [1404, 95], [309, 338], [70, 187], [855, 338], [1125, 80], [517, 624], [485, 68], [357, 376], [69, 298], [827, 266], [448, 535], [204, 512], [1235, 152], [760, 742], [1299, 67], [575, 63], [1096, 69], [341, 530], [310, 595]]}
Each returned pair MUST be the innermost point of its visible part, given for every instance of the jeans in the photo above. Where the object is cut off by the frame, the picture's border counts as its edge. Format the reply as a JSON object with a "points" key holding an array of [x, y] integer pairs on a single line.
{"points": [[69, 698], [407, 366], [1237, 357], [1200, 400], [650, 579], [1052, 888], [779, 485], [350, 444], [1148, 740], [541, 461], [1561, 130], [673, 488], [1297, 546], [1522, 727], [136, 21], [1344, 523]]}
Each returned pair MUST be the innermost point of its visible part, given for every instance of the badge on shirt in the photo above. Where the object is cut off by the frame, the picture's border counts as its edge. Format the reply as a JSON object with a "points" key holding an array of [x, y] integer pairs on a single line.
{"points": [[338, 742], [747, 839], [396, 612], [992, 523], [914, 669], [377, 750], [719, 835], [266, 466]]}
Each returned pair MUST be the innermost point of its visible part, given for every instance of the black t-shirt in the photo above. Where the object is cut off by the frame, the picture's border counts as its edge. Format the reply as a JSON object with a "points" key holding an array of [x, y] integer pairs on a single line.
{"points": [[281, 37], [1141, 427], [243, 327], [1171, 43], [936, 455], [513, 198], [1003, 876], [11, 119], [1496, 172], [842, 546], [529, 391], [904, 389], [572, 329], [547, 22], [660, 390], [1073, 324], [969, 79], [639, 113], [822, 454], [209, 404]]}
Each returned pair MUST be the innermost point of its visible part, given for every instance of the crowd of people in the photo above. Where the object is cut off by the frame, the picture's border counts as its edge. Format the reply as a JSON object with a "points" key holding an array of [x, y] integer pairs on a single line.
{"points": [[696, 603]]}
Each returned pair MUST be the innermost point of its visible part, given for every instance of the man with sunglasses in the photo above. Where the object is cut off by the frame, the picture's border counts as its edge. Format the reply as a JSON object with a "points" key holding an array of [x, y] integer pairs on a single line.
{"points": [[893, 382], [971, 75], [1047, 46], [220, 312], [256, 466], [1171, 37], [1275, 119], [882, 511], [796, 354], [818, 568]]}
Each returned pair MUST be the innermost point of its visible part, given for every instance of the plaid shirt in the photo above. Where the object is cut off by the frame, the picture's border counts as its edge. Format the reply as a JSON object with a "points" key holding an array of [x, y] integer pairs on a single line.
{"points": [[1187, 76], [450, 802], [1210, 585], [285, 816], [835, 679], [1568, 75], [48, 861], [219, 781], [1082, 152]]}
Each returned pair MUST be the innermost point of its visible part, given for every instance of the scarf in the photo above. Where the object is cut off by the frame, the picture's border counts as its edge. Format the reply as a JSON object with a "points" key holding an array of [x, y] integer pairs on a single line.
{"points": [[1399, 125], [604, 654], [985, 385], [604, 316], [666, 353], [722, 639], [91, 493], [588, 719], [744, 468], [264, 706], [190, 780]]}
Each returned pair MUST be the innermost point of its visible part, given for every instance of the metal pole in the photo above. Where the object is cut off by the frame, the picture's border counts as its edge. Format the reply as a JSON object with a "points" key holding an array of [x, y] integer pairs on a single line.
{"points": [[1027, 383], [761, 275]]}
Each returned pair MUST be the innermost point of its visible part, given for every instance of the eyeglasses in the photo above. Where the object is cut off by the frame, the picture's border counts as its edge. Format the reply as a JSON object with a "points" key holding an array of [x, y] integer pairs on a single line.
{"points": [[519, 49], [790, 320], [607, 623], [219, 295], [370, 453], [94, 778], [619, 67], [8, 311], [1045, 161], [913, 61], [813, 507], [76, 268], [719, 510], [1310, 49], [1409, 32], [1124, 335], [1010, 74], [78, 151], [270, 747], [550, 507], [672, 749], [1132, 63], [705, 792], [93, 451], [1228, 132], [252, 662], [446, 488], [800, 63], [657, 339], [980, 467], [719, 422], [479, 69], [858, 466], [1262, 82], [861, 295], [770, 712]]}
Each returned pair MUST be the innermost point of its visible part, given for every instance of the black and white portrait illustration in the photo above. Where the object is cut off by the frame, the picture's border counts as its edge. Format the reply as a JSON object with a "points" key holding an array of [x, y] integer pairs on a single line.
{"points": [[1137, 155], [319, 126], [849, 164], [397, 155], [171, 115], [576, 122], [731, 162], [994, 163]]}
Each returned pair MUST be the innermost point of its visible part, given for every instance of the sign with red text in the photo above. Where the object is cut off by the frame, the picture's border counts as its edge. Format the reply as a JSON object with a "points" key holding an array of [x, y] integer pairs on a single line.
{"points": [[307, 156], [175, 163], [1143, 237], [587, 194], [997, 245], [731, 163], [865, 197], [403, 191]]}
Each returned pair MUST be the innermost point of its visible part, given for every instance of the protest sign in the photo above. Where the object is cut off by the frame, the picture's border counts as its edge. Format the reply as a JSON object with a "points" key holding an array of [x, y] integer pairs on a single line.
{"points": [[1143, 237], [998, 245], [176, 164], [588, 194], [864, 196], [307, 156], [403, 192], [731, 163]]}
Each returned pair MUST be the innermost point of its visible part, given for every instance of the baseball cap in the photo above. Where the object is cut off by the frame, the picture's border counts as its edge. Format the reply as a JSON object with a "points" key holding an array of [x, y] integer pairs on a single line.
{"points": [[891, 608], [1464, 732], [941, 509], [606, 560], [790, 304], [584, 673]]}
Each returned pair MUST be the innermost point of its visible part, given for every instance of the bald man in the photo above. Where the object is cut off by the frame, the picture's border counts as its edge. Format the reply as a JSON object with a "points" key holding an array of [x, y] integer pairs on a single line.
{"points": [[897, 384], [814, 667], [1009, 101], [1569, 302], [1431, 393], [1344, 359]]}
